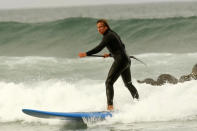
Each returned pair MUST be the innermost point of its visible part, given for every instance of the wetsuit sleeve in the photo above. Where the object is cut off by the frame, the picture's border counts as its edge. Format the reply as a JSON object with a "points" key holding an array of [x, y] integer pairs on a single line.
{"points": [[97, 48]]}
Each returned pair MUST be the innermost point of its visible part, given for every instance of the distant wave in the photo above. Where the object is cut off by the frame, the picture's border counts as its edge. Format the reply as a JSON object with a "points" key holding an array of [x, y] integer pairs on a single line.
{"points": [[115, 11], [67, 37]]}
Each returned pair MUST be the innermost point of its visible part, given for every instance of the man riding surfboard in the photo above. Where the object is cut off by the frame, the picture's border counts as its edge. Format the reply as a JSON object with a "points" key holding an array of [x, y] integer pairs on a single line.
{"points": [[121, 64]]}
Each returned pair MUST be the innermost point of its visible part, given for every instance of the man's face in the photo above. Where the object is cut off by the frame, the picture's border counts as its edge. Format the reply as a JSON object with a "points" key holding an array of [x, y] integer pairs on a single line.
{"points": [[101, 28]]}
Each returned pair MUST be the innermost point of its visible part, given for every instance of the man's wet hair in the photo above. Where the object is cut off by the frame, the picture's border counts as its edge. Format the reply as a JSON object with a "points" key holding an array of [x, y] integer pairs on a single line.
{"points": [[104, 21]]}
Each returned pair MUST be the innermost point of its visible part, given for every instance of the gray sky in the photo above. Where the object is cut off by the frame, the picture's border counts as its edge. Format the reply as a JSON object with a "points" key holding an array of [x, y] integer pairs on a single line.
{"points": [[6, 4]]}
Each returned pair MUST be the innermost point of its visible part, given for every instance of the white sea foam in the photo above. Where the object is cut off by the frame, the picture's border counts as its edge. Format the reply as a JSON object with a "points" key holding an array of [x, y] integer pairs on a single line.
{"points": [[165, 103]]}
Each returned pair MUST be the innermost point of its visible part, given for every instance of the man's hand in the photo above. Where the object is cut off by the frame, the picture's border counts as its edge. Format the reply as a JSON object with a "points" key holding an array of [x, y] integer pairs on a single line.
{"points": [[106, 55], [82, 54]]}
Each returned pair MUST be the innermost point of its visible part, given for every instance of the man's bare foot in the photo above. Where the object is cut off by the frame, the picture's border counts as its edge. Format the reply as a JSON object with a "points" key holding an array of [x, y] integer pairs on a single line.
{"points": [[110, 107]]}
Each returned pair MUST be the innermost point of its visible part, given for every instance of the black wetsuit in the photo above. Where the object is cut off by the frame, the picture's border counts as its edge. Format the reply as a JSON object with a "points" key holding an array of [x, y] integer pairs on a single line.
{"points": [[120, 66]]}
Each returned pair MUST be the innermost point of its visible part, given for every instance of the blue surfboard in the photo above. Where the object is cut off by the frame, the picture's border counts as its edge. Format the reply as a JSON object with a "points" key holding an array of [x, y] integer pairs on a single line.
{"points": [[68, 115]]}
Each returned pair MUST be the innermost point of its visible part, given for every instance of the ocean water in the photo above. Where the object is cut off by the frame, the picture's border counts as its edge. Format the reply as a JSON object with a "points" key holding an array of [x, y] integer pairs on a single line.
{"points": [[40, 69]]}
